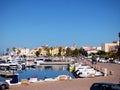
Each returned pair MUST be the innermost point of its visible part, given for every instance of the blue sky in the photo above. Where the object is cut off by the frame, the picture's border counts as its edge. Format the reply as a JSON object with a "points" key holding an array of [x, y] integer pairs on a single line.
{"points": [[32, 23]]}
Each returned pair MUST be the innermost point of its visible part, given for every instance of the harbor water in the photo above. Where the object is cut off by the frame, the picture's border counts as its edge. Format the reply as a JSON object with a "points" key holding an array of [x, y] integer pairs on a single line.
{"points": [[43, 72]]}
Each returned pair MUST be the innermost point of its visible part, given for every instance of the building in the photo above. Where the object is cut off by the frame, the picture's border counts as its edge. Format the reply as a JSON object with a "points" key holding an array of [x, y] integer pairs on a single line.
{"points": [[74, 46], [91, 49], [56, 50], [107, 47], [21, 51], [52, 51]]}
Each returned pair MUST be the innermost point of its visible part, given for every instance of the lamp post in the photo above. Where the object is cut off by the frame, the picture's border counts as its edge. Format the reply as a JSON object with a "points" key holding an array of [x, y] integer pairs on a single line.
{"points": [[119, 46]]}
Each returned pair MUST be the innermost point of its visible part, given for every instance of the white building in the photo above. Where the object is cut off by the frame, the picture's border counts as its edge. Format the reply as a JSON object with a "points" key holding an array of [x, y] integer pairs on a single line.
{"points": [[21, 51], [24, 51], [91, 49]]}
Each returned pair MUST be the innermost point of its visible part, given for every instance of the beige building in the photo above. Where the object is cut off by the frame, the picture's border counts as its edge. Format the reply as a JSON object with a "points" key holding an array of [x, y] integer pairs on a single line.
{"points": [[53, 51], [41, 50], [107, 47]]}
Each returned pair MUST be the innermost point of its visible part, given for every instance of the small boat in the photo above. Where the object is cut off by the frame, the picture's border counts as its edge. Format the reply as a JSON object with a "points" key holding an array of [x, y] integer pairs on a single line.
{"points": [[86, 75], [50, 79], [63, 77], [30, 62], [35, 79], [38, 61], [98, 73]]}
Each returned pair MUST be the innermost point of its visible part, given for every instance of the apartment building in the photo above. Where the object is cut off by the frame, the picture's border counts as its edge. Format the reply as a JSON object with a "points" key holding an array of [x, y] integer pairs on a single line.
{"points": [[107, 47]]}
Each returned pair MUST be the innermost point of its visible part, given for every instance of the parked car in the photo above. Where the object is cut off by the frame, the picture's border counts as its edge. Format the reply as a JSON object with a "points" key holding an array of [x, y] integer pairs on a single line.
{"points": [[3, 84], [103, 60], [117, 61], [105, 86]]}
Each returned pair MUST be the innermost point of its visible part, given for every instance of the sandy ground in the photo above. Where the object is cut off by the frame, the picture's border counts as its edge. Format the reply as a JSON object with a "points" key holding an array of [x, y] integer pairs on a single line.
{"points": [[75, 84]]}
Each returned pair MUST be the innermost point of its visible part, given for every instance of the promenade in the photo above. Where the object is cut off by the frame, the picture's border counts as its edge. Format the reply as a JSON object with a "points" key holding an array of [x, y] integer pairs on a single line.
{"points": [[75, 84]]}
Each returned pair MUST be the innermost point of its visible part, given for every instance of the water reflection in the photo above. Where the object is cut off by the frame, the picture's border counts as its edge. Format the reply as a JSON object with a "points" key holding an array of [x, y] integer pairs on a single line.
{"points": [[44, 71], [53, 67]]}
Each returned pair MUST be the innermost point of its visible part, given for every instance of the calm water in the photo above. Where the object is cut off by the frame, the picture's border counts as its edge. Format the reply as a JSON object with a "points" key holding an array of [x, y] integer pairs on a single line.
{"points": [[44, 72]]}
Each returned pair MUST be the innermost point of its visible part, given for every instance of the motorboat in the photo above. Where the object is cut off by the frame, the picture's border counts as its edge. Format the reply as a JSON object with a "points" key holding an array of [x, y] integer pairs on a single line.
{"points": [[30, 62], [39, 60], [9, 67], [81, 65]]}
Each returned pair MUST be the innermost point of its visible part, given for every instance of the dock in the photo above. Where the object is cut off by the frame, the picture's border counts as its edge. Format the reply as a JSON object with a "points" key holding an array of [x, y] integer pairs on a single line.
{"points": [[99, 68], [55, 63]]}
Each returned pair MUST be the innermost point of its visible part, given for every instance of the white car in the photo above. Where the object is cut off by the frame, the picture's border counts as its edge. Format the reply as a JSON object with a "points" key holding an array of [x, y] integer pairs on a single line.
{"points": [[117, 61], [104, 61]]}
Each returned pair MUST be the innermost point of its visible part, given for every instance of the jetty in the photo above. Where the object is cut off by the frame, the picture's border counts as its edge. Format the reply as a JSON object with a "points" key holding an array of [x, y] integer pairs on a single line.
{"points": [[56, 63], [98, 67]]}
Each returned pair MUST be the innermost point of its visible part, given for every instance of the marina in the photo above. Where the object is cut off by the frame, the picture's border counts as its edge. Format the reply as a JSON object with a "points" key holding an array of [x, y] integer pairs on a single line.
{"points": [[48, 69]]}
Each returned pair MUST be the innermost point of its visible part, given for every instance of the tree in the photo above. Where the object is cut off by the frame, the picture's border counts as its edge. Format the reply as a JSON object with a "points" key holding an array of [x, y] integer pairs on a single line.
{"points": [[100, 52], [14, 49], [40, 50], [7, 51], [64, 51], [112, 54], [37, 53], [47, 50], [68, 52], [18, 52], [75, 52], [83, 52], [60, 51], [118, 52], [93, 58], [51, 49]]}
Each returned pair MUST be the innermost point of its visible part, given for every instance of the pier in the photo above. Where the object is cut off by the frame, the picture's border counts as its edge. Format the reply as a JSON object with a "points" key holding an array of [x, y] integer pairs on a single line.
{"points": [[98, 67], [55, 63]]}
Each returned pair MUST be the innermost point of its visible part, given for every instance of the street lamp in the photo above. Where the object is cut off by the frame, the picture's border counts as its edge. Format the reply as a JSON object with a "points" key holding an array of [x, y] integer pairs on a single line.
{"points": [[119, 46]]}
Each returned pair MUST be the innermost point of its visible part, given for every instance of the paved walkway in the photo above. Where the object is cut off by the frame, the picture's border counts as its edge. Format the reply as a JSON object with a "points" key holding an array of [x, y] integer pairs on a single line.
{"points": [[75, 84]]}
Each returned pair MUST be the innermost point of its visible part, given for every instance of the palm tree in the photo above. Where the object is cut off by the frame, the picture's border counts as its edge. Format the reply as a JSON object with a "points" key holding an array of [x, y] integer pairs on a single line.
{"points": [[60, 51], [47, 51], [51, 49], [64, 51], [14, 49], [7, 51], [18, 52], [37, 53]]}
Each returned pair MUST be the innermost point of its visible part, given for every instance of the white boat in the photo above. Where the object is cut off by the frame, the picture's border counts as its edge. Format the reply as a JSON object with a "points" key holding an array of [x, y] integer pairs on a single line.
{"points": [[50, 79], [32, 80], [39, 60], [9, 67], [98, 73], [83, 66], [86, 75], [63, 77]]}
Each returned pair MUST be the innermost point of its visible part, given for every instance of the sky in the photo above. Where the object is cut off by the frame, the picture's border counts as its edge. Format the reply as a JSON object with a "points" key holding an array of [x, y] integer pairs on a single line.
{"points": [[33, 23]]}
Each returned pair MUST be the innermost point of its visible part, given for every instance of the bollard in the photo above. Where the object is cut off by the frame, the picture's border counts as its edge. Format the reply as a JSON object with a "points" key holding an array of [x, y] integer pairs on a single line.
{"points": [[105, 72]]}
